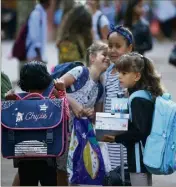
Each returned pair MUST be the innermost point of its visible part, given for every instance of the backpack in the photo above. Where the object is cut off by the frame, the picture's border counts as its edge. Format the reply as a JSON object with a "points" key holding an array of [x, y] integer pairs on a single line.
{"points": [[98, 26], [159, 154], [33, 126], [62, 69], [19, 49], [70, 51], [114, 178]]}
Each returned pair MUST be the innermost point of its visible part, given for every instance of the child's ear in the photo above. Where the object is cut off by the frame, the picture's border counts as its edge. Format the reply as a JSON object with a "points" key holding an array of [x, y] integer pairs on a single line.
{"points": [[130, 48], [138, 77]]}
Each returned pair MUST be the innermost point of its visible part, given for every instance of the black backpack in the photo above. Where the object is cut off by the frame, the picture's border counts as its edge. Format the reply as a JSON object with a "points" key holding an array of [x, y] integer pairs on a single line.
{"points": [[114, 178]]}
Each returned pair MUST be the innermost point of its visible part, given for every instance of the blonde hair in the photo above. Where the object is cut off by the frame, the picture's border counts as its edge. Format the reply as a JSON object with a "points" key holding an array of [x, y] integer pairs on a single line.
{"points": [[94, 48]]}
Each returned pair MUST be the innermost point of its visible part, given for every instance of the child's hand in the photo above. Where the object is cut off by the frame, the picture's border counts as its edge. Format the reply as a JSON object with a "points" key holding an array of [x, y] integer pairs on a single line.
{"points": [[89, 112], [78, 110], [59, 85], [10, 95], [107, 138]]}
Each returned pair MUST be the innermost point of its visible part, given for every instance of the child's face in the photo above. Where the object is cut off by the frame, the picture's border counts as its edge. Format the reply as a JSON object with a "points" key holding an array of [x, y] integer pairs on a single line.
{"points": [[91, 3], [138, 9], [117, 46], [101, 60], [128, 79]]}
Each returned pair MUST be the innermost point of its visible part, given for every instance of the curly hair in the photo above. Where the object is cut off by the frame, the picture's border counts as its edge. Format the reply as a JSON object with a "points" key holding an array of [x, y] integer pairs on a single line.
{"points": [[34, 76], [150, 80]]}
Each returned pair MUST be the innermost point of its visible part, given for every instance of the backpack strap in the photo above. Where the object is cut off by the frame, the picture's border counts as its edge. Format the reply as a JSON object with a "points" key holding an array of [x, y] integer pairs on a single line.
{"points": [[141, 94], [98, 26], [81, 81], [29, 96], [146, 95], [47, 93], [100, 91]]}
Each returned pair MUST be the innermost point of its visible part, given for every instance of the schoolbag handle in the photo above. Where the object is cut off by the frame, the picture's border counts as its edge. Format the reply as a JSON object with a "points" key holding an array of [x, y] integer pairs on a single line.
{"points": [[32, 96]]}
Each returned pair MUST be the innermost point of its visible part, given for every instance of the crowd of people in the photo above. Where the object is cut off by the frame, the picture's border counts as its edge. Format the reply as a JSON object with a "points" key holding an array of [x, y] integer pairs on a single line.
{"points": [[113, 57]]}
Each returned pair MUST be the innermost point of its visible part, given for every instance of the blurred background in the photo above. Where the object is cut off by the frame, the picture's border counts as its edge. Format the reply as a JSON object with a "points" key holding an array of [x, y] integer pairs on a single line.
{"points": [[160, 15], [15, 12]]}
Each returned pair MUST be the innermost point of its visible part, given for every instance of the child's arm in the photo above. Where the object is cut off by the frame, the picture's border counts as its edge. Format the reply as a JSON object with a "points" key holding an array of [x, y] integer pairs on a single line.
{"points": [[65, 81], [70, 77]]}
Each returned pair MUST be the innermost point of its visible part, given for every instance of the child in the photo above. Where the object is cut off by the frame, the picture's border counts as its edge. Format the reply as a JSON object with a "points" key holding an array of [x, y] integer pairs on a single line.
{"points": [[138, 26], [137, 72], [120, 41], [34, 78], [98, 60]]}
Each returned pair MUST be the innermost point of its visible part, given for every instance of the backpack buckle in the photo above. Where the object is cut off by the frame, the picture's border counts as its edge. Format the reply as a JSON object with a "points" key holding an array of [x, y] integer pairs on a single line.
{"points": [[11, 136], [49, 136]]}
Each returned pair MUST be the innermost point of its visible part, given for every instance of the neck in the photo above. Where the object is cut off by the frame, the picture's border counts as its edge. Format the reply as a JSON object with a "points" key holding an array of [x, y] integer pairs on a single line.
{"points": [[94, 10], [94, 73]]}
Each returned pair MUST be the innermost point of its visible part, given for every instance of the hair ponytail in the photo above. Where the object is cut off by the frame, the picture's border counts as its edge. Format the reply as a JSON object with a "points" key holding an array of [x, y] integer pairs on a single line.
{"points": [[150, 79]]}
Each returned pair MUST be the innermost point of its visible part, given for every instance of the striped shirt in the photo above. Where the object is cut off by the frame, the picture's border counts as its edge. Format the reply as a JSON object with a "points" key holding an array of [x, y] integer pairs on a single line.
{"points": [[112, 89]]}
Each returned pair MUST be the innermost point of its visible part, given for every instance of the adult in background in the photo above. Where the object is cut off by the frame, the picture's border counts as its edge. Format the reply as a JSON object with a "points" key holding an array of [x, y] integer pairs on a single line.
{"points": [[37, 32], [109, 10], [138, 25], [100, 22]]}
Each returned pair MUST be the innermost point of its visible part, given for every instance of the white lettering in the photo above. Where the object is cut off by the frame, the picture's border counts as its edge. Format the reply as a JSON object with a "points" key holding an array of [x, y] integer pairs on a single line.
{"points": [[35, 117]]}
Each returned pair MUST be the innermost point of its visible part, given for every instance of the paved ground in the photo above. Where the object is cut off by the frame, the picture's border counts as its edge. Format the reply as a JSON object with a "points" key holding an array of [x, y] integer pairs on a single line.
{"points": [[160, 57]]}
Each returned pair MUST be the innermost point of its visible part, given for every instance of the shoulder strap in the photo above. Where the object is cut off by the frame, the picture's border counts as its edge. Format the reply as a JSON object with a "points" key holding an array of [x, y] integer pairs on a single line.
{"points": [[110, 68], [47, 93], [100, 91], [141, 94], [81, 81], [146, 95], [98, 25]]}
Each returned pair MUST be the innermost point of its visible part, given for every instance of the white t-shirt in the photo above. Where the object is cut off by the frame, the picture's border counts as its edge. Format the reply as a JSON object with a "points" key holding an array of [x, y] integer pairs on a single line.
{"points": [[87, 95], [103, 22]]}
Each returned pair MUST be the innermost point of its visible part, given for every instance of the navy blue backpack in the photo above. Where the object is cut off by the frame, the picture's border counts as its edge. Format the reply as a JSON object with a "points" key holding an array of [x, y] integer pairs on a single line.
{"points": [[62, 69], [33, 126]]}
